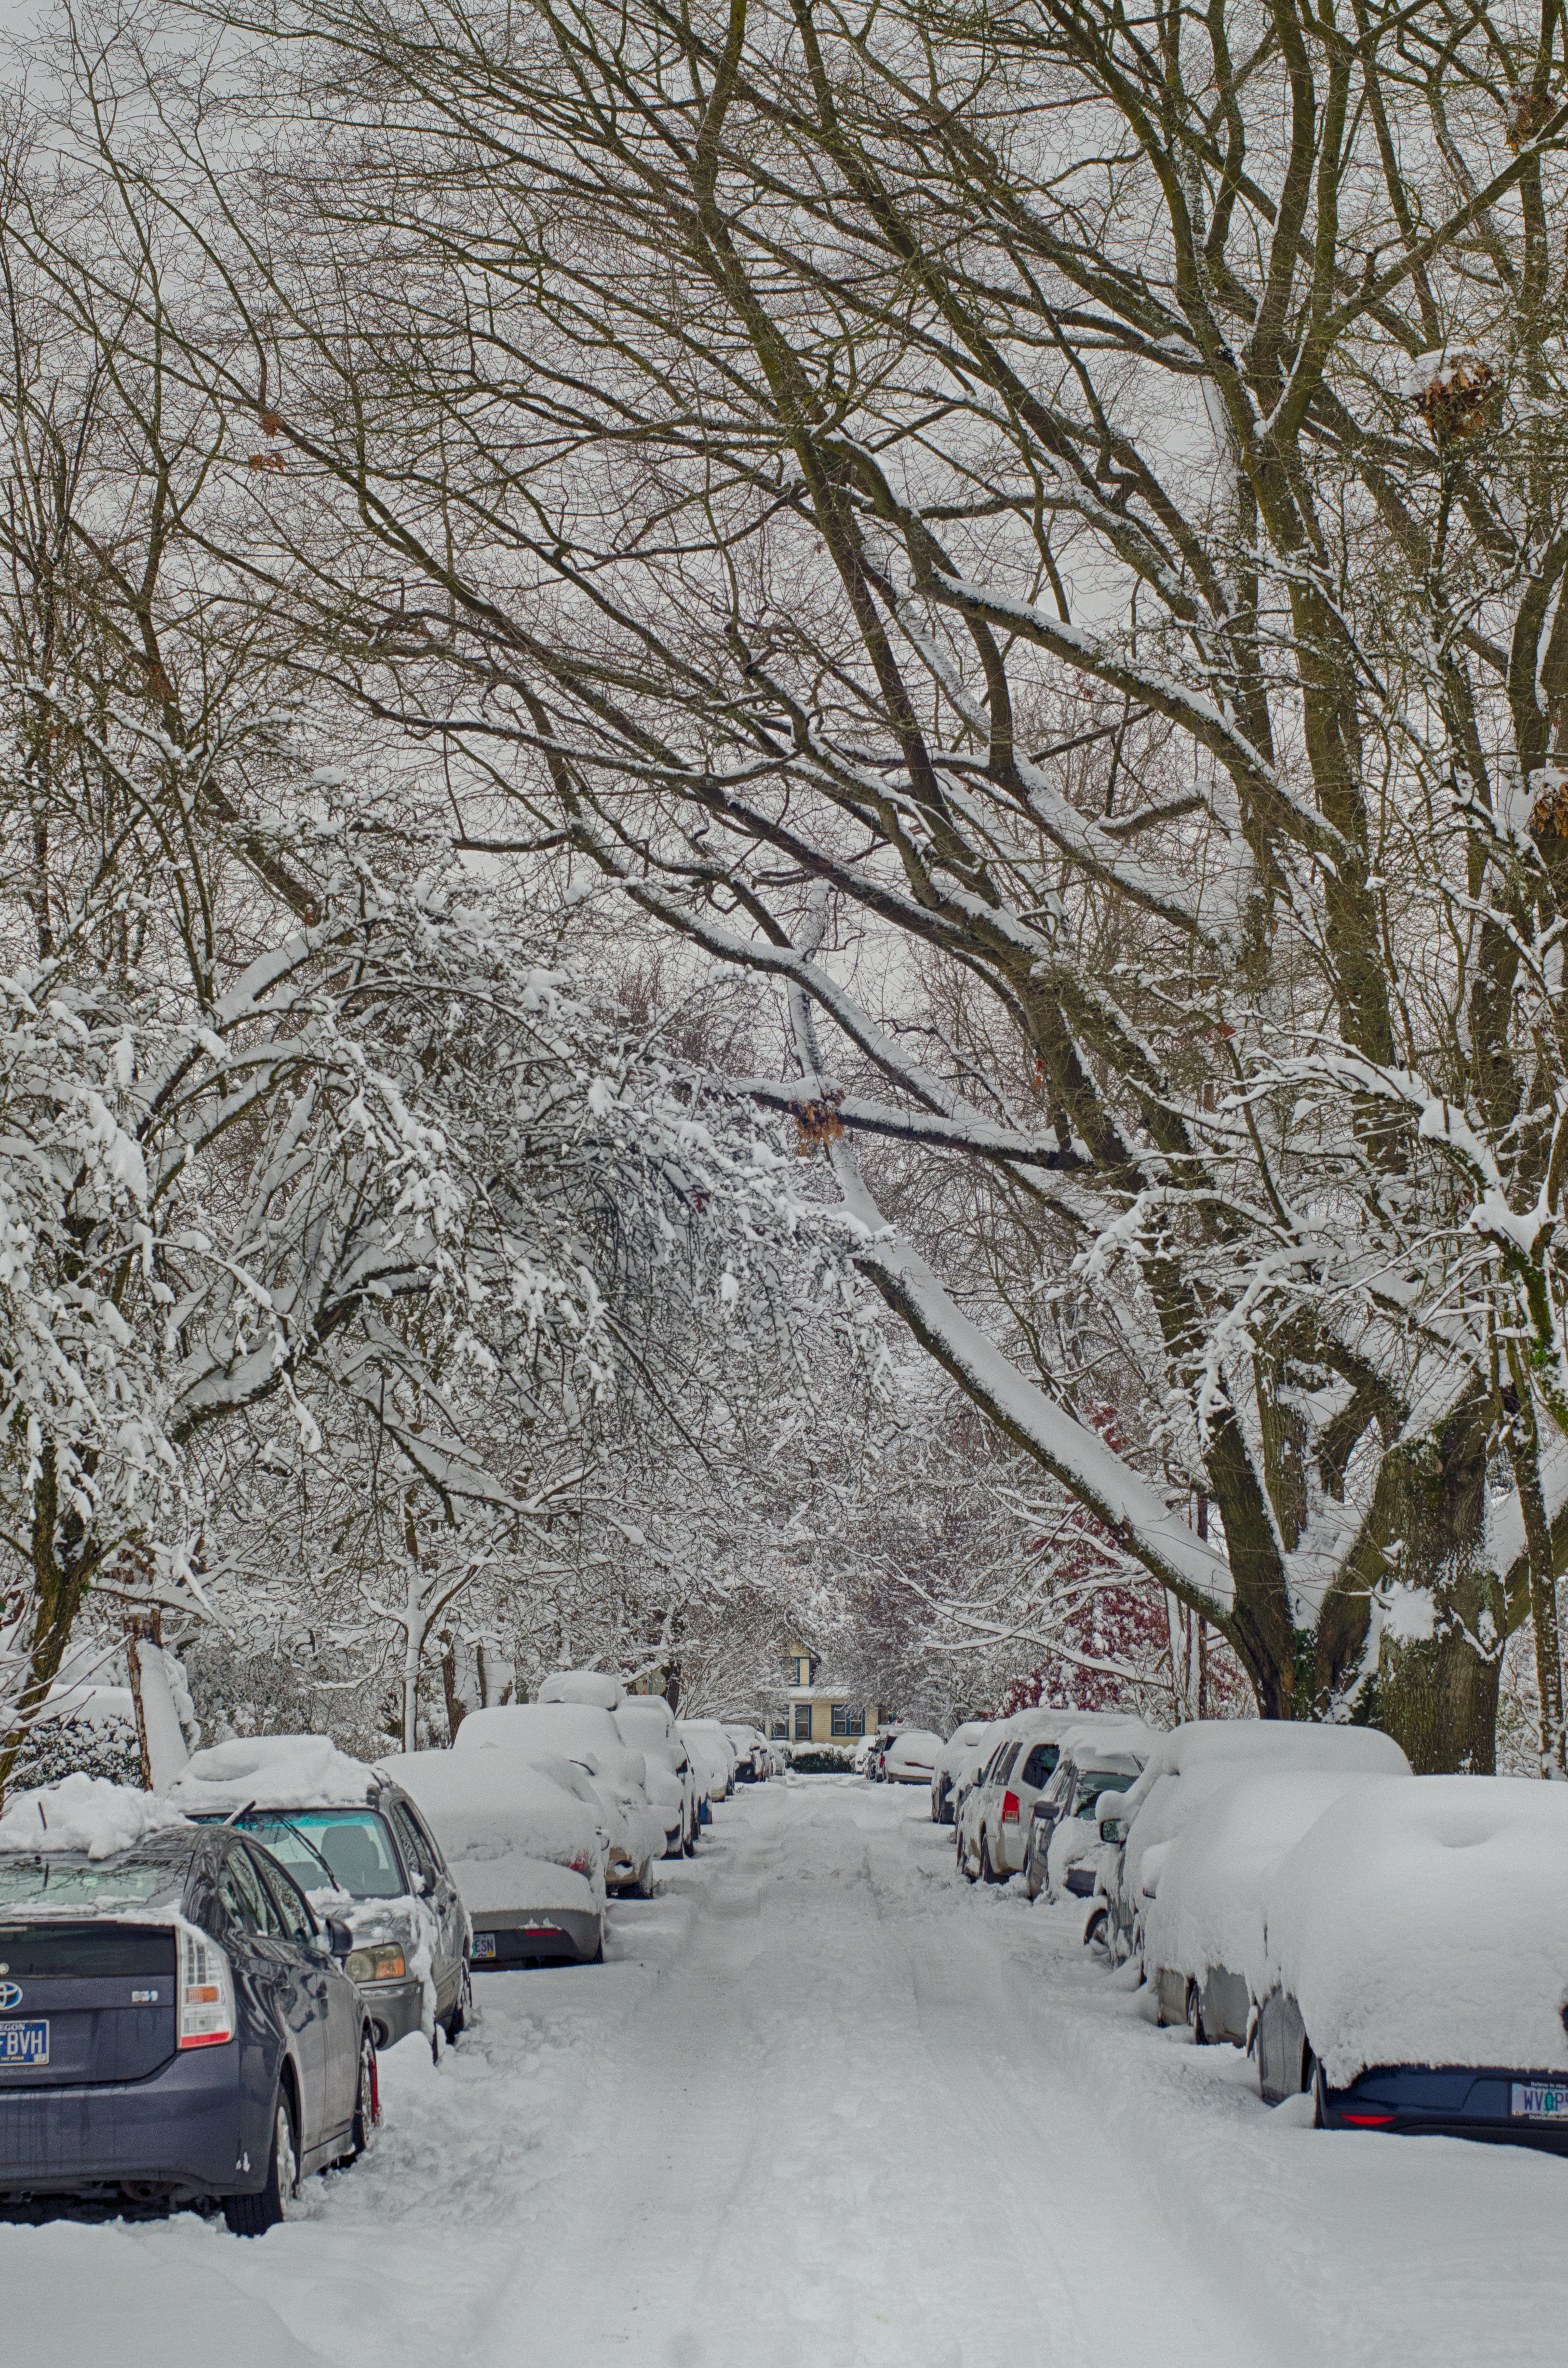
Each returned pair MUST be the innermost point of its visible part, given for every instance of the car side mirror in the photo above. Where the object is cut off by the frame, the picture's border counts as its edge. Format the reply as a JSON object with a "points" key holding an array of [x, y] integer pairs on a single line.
{"points": [[339, 1938], [1113, 1829]]}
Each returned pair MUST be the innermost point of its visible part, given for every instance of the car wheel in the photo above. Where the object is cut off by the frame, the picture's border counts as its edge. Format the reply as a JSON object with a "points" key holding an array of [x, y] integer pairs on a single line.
{"points": [[1096, 1931], [462, 2014], [367, 2099], [987, 1872], [1195, 2015], [1315, 2085], [688, 1846], [253, 2215]]}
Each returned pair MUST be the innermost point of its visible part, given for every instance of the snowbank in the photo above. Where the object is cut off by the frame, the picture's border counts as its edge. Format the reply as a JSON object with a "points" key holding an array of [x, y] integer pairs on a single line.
{"points": [[1208, 1909], [84, 1813], [1428, 1923], [276, 1772]]}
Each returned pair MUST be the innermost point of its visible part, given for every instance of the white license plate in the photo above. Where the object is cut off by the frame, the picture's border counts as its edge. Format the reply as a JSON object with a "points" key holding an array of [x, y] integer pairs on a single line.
{"points": [[484, 1944], [24, 2042], [1535, 2102]]}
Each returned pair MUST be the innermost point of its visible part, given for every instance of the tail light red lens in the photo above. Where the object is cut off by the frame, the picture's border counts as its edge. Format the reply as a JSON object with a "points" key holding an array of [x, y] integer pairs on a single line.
{"points": [[204, 1992], [1367, 2121], [1009, 1808]]}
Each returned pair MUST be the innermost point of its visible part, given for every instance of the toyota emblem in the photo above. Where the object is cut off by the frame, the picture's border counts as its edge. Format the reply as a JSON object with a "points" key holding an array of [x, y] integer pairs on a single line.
{"points": [[10, 1995]]}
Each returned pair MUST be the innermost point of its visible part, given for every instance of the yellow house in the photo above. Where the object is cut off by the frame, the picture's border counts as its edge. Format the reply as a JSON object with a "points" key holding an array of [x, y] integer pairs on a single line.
{"points": [[810, 1708]]}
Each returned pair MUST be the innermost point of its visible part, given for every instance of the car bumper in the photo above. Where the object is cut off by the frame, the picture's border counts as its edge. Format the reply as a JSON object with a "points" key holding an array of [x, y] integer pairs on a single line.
{"points": [[395, 2009], [1461, 2101], [909, 1776], [181, 2132], [517, 1940]]}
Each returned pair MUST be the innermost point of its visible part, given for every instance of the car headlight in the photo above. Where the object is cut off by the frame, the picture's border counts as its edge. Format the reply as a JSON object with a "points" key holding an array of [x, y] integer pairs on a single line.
{"points": [[382, 1962]]}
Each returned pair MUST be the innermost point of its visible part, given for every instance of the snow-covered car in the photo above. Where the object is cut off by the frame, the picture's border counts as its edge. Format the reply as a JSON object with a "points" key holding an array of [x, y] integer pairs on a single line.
{"points": [[1203, 1934], [177, 2027], [876, 1757], [1063, 1847], [751, 1752], [958, 1763], [526, 1848], [647, 1724], [587, 1735], [1416, 1949], [911, 1756], [359, 1850], [1185, 1772], [595, 1687], [994, 1820], [710, 1746]]}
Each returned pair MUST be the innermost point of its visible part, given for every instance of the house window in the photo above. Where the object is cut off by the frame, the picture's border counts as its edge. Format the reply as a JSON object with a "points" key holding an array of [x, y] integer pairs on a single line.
{"points": [[855, 1724], [840, 1718], [802, 1722]]}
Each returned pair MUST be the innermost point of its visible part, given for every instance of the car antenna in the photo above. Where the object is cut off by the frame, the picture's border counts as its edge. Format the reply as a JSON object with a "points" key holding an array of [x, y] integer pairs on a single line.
{"points": [[235, 1814]]}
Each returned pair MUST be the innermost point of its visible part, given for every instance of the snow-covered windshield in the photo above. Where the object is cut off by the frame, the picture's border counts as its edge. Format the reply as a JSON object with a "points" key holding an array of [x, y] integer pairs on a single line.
{"points": [[350, 1847], [80, 1882]]}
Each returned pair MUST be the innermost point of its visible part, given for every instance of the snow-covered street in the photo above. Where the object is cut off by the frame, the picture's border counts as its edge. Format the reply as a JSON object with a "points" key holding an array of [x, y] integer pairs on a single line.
{"points": [[830, 2105]]}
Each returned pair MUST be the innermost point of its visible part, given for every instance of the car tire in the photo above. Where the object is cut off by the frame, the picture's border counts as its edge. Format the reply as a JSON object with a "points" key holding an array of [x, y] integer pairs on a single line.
{"points": [[987, 1872], [367, 2099], [1096, 1931], [688, 1845], [1313, 2083], [462, 2014], [253, 2215], [1195, 2015]]}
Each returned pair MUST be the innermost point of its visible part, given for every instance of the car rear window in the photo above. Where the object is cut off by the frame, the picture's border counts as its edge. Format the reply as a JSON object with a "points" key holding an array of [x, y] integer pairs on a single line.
{"points": [[54, 1953], [1042, 1760], [1096, 1780], [87, 1882]]}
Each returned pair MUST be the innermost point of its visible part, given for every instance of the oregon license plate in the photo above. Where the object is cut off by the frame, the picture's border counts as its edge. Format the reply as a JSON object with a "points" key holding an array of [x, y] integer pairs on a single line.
{"points": [[1540, 2100], [484, 1944], [24, 2042]]}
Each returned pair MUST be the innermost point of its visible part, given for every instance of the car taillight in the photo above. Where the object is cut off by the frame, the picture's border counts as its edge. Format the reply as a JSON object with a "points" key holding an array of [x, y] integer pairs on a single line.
{"points": [[1009, 1808], [582, 1863], [204, 1992], [382, 1962], [1367, 2121]]}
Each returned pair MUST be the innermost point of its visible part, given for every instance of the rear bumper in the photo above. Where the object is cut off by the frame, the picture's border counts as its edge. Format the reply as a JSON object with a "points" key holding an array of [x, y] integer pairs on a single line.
{"points": [[1461, 2101], [514, 1940], [180, 2130]]}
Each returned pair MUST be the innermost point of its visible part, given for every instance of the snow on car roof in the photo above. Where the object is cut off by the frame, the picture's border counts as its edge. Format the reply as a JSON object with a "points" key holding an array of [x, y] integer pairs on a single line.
{"points": [[595, 1687], [83, 1813], [1428, 1923], [1206, 1912], [276, 1772]]}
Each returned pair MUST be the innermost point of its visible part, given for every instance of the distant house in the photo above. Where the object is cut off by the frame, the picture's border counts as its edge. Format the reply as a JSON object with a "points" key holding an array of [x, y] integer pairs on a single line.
{"points": [[810, 1708]]}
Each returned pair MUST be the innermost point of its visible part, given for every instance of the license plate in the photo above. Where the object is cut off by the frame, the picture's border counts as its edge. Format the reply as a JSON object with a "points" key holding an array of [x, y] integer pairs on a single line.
{"points": [[1535, 2102], [24, 2042], [484, 1944]]}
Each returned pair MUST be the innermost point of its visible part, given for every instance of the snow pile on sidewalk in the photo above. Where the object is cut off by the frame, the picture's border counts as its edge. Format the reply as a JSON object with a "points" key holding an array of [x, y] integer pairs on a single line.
{"points": [[1428, 1923], [83, 1813], [274, 1771]]}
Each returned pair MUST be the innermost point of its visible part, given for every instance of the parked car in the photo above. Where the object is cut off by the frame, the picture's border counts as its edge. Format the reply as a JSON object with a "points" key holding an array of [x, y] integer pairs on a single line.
{"points": [[1061, 1854], [994, 1819], [527, 1846], [911, 1756], [176, 2025], [876, 1757], [961, 1754], [587, 1734], [647, 1723], [751, 1752], [358, 1850], [1203, 1936], [1187, 1768], [705, 1739], [595, 1687], [1417, 1935]]}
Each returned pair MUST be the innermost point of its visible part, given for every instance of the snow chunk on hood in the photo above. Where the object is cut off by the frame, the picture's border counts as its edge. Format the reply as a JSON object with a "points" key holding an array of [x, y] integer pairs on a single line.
{"points": [[84, 1813], [276, 1772], [1428, 1923], [594, 1686]]}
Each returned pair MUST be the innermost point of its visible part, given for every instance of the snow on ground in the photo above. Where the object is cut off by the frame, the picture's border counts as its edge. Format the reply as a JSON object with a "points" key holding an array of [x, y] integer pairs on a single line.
{"points": [[828, 2105]]}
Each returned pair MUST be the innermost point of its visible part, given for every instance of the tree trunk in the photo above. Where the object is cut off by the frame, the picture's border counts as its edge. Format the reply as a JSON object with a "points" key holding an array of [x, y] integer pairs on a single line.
{"points": [[158, 1729], [1437, 1694], [60, 1569]]}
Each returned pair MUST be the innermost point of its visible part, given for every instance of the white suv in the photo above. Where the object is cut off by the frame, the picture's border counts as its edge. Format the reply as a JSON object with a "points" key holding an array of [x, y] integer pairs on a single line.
{"points": [[993, 1823]]}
